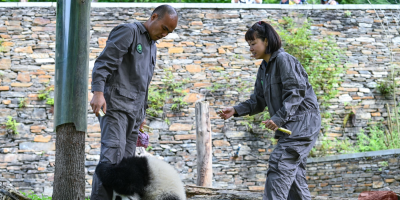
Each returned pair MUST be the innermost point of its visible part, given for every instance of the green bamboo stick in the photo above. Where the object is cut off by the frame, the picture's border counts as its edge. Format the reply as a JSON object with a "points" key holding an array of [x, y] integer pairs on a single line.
{"points": [[285, 130], [101, 113]]}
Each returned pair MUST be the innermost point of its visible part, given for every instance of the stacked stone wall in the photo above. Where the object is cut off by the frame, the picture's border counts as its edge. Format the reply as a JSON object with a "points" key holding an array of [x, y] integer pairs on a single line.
{"points": [[207, 46]]}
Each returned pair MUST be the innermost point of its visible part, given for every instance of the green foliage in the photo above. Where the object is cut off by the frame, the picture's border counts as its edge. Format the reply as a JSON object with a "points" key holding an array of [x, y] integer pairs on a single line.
{"points": [[159, 94], [349, 116], [22, 102], [11, 125], [352, 1], [257, 118], [1, 46], [379, 138], [385, 87], [156, 101], [245, 86], [34, 196], [50, 101], [149, 148], [271, 1], [331, 147], [167, 121], [376, 1], [44, 94], [274, 141], [388, 85], [384, 163], [216, 86], [347, 13], [320, 58]]}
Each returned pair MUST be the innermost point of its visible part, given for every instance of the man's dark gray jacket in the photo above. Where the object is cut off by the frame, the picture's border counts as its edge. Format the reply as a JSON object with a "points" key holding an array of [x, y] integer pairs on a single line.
{"points": [[124, 69]]}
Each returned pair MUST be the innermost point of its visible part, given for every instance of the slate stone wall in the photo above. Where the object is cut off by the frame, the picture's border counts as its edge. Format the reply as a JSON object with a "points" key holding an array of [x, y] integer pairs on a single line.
{"points": [[207, 46]]}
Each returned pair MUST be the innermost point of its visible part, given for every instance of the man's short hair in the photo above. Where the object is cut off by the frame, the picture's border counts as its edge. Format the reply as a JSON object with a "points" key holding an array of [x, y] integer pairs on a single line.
{"points": [[164, 9]]}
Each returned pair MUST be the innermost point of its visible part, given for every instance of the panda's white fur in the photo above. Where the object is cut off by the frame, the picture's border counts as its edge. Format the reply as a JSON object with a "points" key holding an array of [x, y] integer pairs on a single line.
{"points": [[165, 179], [146, 178]]}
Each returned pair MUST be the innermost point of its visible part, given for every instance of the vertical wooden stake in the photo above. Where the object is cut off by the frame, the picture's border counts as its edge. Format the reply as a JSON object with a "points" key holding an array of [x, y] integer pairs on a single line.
{"points": [[203, 144]]}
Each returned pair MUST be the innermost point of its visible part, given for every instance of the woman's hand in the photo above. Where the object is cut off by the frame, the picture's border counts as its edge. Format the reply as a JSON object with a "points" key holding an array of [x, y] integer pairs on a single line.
{"points": [[226, 113], [269, 124]]}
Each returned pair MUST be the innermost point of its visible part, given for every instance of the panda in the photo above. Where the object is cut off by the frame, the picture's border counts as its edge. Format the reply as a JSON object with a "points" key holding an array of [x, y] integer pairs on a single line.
{"points": [[146, 178]]}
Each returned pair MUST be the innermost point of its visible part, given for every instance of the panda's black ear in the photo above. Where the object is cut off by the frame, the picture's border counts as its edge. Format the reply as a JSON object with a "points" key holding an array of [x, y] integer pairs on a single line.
{"points": [[118, 198]]}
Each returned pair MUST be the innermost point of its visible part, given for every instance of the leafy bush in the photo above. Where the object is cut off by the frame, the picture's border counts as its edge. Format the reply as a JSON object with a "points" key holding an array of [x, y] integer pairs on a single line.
{"points": [[50, 101], [379, 139], [11, 125], [22, 102], [320, 58], [33, 196], [37, 197], [171, 90], [44, 94]]}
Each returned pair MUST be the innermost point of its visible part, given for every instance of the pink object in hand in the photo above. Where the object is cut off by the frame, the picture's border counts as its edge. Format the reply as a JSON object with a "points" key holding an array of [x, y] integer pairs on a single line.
{"points": [[143, 140]]}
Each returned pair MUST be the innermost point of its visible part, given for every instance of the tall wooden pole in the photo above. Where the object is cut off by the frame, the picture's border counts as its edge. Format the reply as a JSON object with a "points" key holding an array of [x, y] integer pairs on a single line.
{"points": [[71, 98], [203, 144]]}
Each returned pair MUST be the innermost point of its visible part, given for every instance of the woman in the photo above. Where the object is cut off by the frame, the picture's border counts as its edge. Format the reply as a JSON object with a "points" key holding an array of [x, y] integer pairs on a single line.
{"points": [[282, 86]]}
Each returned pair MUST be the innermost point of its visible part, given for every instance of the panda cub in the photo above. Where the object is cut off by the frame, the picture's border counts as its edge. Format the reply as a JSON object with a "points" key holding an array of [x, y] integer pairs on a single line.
{"points": [[146, 178]]}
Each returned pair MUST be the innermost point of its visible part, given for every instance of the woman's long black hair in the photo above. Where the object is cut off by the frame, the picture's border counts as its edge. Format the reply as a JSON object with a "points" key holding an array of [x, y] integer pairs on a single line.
{"points": [[263, 30]]}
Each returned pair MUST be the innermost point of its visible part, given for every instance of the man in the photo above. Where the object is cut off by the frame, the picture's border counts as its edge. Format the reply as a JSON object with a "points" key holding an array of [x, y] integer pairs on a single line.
{"points": [[120, 82]]}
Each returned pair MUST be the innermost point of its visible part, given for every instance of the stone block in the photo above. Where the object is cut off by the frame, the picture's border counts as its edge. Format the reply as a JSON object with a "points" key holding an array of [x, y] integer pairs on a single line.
{"points": [[180, 127], [192, 97], [40, 21], [27, 49], [40, 138], [221, 143], [193, 68], [185, 137], [35, 146], [21, 84], [102, 42], [236, 134], [5, 63], [175, 50], [24, 77]]}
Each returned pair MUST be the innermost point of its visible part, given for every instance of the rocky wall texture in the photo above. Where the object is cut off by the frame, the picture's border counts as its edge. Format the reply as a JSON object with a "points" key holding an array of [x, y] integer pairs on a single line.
{"points": [[346, 176], [207, 49]]}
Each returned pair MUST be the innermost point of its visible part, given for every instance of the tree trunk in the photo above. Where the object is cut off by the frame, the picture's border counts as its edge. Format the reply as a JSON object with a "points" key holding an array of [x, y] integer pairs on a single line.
{"points": [[203, 145], [69, 175], [71, 98]]}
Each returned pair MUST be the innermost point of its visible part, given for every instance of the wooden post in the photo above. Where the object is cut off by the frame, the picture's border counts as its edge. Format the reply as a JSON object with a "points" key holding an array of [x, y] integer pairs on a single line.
{"points": [[203, 144]]}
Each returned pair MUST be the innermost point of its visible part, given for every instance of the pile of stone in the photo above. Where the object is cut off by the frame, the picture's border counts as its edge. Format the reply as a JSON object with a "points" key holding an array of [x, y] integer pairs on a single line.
{"points": [[8, 192]]}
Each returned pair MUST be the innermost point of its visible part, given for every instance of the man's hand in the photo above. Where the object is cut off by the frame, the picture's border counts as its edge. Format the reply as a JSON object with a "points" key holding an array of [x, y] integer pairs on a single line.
{"points": [[226, 113], [97, 102], [143, 123], [269, 124]]}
